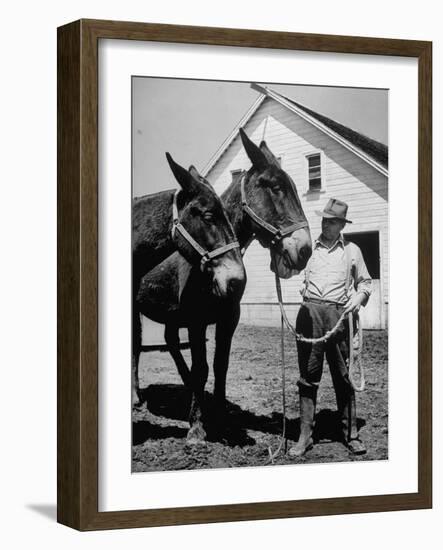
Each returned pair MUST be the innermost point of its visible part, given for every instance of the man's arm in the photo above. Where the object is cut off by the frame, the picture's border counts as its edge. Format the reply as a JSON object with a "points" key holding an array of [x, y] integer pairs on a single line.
{"points": [[362, 279], [362, 282]]}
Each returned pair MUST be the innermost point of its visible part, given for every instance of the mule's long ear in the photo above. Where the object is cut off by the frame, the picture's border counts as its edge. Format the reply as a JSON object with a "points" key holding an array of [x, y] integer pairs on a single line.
{"points": [[268, 154], [256, 156], [184, 178], [196, 174]]}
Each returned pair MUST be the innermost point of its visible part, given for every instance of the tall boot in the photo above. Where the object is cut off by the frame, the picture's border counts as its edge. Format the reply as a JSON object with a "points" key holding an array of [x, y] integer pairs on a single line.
{"points": [[307, 397], [348, 414]]}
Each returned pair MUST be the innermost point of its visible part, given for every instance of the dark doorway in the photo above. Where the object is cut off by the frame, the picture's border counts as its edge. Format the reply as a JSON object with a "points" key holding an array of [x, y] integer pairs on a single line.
{"points": [[369, 244]]}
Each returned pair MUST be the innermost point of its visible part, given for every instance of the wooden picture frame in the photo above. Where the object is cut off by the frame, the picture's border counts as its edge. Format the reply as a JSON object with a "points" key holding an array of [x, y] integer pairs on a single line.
{"points": [[78, 274]]}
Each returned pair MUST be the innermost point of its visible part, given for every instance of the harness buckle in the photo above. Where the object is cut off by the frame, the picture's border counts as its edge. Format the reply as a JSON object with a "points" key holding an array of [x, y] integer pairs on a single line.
{"points": [[204, 260], [277, 237]]}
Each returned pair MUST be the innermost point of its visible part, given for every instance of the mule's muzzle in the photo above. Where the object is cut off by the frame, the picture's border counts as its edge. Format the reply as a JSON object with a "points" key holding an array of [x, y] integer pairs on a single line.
{"points": [[299, 247], [229, 278], [292, 254], [304, 254]]}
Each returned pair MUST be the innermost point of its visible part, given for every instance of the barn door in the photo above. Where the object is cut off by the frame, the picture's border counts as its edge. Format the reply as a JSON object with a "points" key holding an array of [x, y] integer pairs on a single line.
{"points": [[369, 243]]}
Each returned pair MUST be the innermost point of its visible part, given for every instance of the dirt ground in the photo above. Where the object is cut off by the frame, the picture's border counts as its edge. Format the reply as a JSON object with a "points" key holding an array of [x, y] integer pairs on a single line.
{"points": [[254, 419]]}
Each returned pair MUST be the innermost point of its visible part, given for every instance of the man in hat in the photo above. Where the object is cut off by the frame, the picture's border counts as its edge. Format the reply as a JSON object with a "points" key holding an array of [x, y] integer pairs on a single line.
{"points": [[336, 282]]}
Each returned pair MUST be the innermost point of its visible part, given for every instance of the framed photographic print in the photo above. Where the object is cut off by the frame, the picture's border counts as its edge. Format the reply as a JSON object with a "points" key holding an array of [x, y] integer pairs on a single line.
{"points": [[244, 275]]}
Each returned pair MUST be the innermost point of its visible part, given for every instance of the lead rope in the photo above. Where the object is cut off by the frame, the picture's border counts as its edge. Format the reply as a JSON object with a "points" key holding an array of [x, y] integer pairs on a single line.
{"points": [[355, 352], [283, 319], [355, 346]]}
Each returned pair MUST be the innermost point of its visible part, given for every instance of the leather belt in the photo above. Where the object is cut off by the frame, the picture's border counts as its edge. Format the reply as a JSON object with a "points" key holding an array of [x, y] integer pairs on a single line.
{"points": [[323, 302]]}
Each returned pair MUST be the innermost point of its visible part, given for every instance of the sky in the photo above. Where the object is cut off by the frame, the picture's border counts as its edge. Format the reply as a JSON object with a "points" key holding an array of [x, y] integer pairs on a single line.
{"points": [[191, 118]]}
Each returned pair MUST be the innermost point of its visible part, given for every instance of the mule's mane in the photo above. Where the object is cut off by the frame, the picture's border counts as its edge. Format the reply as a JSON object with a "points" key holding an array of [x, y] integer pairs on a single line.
{"points": [[231, 189], [231, 199]]}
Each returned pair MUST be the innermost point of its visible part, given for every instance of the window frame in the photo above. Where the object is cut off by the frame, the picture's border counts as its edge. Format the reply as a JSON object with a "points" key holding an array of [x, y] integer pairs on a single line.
{"points": [[322, 187]]}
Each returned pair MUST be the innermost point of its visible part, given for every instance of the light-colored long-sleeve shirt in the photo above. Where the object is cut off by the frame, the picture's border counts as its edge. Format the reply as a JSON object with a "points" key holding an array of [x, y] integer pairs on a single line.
{"points": [[327, 273]]}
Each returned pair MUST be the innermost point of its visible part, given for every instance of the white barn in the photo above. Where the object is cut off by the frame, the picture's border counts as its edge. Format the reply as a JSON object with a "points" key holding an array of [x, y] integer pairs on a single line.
{"points": [[325, 159]]}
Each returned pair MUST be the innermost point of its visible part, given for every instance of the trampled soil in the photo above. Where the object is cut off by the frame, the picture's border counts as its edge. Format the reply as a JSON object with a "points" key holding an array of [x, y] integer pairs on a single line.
{"points": [[254, 410]]}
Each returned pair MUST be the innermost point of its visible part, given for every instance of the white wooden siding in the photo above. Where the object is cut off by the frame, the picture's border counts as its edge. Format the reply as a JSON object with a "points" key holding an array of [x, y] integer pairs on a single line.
{"points": [[345, 176]]}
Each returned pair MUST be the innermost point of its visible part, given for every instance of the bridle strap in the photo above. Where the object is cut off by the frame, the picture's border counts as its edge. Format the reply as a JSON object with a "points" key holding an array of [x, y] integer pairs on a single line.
{"points": [[205, 255], [277, 234]]}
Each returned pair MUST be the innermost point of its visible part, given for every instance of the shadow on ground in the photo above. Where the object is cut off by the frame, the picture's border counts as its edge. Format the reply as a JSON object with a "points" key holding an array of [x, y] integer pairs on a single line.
{"points": [[172, 401]]}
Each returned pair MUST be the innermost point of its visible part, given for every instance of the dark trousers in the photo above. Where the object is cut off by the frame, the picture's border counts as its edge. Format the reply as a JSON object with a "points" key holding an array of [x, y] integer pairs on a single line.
{"points": [[313, 321]]}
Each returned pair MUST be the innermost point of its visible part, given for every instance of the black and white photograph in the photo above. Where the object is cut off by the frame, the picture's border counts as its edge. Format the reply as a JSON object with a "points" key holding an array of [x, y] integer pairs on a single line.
{"points": [[218, 275], [260, 271]]}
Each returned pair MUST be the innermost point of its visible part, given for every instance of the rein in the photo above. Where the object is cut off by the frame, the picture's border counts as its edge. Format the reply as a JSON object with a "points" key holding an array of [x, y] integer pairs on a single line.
{"points": [[355, 351], [276, 234], [205, 255], [283, 439]]}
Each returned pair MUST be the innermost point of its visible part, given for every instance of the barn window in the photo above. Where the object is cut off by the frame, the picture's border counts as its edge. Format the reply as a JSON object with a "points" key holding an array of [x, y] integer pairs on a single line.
{"points": [[314, 172]]}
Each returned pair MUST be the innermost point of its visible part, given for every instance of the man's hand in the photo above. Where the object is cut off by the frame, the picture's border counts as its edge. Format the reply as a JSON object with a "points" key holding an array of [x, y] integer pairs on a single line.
{"points": [[355, 303]]}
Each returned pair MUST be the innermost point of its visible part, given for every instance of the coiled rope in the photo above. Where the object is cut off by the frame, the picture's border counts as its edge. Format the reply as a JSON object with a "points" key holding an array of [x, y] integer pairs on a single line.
{"points": [[354, 358], [355, 363]]}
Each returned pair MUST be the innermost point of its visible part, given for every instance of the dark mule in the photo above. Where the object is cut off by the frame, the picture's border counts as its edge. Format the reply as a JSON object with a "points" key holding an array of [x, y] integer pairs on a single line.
{"points": [[261, 203], [153, 238], [194, 222]]}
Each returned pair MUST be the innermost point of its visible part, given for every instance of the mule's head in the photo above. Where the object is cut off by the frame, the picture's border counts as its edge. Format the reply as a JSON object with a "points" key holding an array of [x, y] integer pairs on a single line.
{"points": [[272, 195], [202, 215]]}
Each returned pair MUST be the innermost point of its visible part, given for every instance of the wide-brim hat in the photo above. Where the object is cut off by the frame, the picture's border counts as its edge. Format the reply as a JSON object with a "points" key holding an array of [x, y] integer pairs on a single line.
{"points": [[335, 209]]}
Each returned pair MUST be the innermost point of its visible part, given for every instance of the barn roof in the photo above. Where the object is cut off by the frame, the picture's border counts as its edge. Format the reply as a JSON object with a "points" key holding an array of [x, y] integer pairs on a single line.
{"points": [[370, 150], [375, 149]]}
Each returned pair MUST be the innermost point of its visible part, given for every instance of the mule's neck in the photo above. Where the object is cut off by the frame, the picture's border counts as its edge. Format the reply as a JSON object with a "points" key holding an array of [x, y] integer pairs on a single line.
{"points": [[232, 202]]}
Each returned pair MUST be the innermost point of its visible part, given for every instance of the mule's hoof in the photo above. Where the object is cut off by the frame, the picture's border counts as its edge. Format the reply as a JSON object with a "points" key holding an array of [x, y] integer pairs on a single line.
{"points": [[196, 435]]}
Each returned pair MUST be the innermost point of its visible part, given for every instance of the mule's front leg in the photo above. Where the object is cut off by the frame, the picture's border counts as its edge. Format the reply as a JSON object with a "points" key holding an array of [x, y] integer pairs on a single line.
{"points": [[172, 339], [225, 329], [199, 376]]}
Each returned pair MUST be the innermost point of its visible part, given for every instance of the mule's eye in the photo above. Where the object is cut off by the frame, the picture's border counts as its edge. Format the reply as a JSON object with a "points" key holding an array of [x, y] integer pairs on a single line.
{"points": [[275, 188], [208, 217]]}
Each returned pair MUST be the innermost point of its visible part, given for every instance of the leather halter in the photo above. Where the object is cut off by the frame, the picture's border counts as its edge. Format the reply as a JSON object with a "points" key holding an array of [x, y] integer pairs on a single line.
{"points": [[205, 255], [276, 234]]}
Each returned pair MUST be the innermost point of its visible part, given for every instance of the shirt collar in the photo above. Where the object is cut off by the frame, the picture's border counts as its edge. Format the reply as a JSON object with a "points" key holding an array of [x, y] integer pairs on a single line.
{"points": [[339, 241]]}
